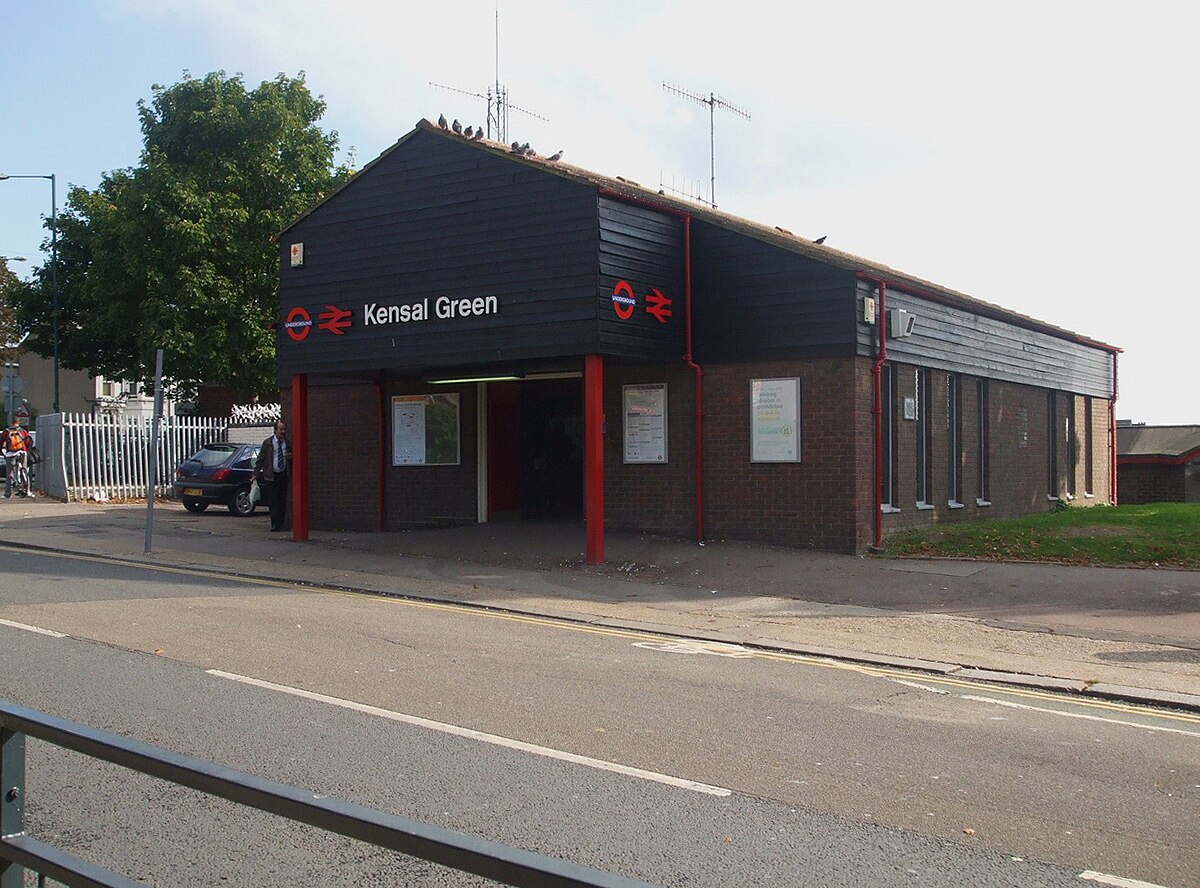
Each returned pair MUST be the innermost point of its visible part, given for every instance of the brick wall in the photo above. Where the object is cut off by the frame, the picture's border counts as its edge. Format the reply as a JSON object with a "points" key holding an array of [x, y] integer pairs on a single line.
{"points": [[644, 496], [1018, 458], [1150, 483], [813, 503], [343, 448], [422, 495]]}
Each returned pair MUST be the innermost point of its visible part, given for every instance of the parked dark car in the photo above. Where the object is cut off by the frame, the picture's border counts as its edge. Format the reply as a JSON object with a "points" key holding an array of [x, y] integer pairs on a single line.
{"points": [[218, 473]]}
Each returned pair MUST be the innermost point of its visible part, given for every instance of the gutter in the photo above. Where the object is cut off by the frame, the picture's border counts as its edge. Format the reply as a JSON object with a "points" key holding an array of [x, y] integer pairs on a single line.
{"points": [[877, 407]]}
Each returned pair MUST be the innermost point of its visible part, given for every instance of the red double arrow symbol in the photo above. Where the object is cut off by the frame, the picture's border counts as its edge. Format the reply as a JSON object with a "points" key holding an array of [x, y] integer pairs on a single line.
{"points": [[336, 320], [658, 305]]}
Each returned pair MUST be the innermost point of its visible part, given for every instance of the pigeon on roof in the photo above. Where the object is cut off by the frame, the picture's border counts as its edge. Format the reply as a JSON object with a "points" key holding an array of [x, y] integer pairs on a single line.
{"points": [[517, 149], [456, 126], [821, 239], [526, 150], [469, 132], [556, 156], [442, 121], [478, 134]]}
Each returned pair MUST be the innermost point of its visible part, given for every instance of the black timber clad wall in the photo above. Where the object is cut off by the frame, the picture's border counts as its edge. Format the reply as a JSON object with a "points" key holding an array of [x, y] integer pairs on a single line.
{"points": [[755, 301], [438, 217], [948, 338], [644, 248]]}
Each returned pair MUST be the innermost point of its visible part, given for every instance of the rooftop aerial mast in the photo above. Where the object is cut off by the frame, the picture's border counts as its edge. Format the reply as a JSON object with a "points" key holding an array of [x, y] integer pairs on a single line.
{"points": [[713, 101]]}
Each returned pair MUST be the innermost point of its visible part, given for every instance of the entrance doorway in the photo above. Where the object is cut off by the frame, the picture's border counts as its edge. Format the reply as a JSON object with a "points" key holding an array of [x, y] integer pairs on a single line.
{"points": [[535, 449]]}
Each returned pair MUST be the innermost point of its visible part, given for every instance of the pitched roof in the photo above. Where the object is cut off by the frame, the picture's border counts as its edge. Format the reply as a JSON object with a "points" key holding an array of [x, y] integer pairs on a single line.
{"points": [[1158, 443], [619, 187]]}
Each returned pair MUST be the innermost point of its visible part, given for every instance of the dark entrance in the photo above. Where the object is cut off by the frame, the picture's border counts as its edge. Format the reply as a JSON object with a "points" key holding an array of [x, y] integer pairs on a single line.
{"points": [[535, 449]]}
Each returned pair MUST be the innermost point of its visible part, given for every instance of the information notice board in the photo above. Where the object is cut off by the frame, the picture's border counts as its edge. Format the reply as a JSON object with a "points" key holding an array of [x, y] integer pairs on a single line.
{"points": [[425, 430], [645, 415], [775, 420]]}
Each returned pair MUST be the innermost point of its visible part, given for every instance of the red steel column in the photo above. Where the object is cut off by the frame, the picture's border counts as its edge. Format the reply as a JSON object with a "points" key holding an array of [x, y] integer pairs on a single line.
{"points": [[593, 454], [299, 472]]}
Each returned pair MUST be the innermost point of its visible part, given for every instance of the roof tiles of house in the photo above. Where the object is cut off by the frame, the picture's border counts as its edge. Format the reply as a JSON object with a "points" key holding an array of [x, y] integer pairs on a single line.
{"points": [[619, 187], [1176, 443]]}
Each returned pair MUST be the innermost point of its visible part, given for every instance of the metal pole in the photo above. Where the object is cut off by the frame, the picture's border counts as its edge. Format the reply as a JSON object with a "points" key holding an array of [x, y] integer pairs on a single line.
{"points": [[712, 149], [54, 276], [152, 480]]}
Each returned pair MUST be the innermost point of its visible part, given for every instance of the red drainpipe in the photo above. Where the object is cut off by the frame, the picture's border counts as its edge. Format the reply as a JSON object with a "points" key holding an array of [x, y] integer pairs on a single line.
{"points": [[688, 355], [1112, 436], [877, 408]]}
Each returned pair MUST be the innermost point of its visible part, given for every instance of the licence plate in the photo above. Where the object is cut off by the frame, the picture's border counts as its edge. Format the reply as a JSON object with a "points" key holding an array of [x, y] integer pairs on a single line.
{"points": [[193, 491]]}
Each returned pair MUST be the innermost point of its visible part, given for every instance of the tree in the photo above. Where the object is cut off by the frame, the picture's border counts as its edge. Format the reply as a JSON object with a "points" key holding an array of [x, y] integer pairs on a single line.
{"points": [[177, 252], [10, 287]]}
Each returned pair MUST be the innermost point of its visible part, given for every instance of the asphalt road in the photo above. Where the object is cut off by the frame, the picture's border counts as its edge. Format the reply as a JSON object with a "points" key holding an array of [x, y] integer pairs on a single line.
{"points": [[810, 772]]}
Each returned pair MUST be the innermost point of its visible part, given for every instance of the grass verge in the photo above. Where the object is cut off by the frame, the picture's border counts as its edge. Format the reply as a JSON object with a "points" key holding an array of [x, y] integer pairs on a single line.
{"points": [[1156, 535]]}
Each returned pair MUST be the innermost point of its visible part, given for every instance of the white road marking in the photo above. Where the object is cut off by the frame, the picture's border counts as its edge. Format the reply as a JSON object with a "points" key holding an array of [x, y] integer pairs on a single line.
{"points": [[918, 686], [458, 731], [1085, 716], [1116, 881], [38, 629], [688, 646]]}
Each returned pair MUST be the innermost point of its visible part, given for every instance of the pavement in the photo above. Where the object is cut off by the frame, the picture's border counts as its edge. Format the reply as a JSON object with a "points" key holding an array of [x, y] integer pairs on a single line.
{"points": [[1125, 634]]}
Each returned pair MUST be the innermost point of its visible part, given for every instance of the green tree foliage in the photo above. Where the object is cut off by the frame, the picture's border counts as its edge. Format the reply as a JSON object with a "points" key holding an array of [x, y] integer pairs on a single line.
{"points": [[10, 288], [177, 252]]}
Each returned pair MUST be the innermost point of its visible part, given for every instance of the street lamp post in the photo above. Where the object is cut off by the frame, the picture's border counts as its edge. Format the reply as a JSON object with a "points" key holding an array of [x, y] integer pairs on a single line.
{"points": [[53, 265]]}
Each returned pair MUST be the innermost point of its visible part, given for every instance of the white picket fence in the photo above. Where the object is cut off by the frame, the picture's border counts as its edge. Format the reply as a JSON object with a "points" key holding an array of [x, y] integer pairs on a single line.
{"points": [[107, 457]]}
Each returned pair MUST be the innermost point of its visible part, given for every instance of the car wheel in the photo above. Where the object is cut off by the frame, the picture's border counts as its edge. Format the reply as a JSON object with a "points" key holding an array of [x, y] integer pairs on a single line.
{"points": [[240, 505], [194, 505]]}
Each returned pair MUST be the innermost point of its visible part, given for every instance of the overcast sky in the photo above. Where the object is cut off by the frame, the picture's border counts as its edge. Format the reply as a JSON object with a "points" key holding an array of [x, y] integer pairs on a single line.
{"points": [[1039, 155]]}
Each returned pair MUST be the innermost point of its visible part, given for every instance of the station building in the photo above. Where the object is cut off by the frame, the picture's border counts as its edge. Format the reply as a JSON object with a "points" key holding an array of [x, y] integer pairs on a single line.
{"points": [[469, 334]]}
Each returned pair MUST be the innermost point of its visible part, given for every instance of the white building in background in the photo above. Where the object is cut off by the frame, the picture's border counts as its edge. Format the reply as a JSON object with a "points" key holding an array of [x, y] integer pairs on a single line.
{"points": [[80, 392]]}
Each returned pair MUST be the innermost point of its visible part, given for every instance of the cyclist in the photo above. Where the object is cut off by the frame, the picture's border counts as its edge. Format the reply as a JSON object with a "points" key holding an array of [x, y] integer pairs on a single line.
{"points": [[16, 444]]}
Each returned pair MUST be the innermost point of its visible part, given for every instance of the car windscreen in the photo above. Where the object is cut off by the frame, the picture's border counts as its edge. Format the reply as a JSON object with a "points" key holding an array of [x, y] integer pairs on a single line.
{"points": [[214, 454]]}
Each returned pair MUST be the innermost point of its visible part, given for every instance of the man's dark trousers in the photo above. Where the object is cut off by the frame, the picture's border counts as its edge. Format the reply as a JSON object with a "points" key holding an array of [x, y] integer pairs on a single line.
{"points": [[277, 495]]}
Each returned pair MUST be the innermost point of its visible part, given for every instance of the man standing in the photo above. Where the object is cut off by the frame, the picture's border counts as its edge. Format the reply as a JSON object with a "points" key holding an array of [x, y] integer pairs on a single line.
{"points": [[274, 459]]}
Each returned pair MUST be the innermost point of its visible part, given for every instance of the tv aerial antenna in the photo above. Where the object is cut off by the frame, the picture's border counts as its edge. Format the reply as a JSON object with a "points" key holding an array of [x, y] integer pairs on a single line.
{"points": [[713, 101], [496, 97]]}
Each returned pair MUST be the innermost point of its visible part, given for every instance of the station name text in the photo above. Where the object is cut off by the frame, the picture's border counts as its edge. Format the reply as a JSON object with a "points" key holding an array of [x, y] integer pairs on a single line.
{"points": [[443, 307]]}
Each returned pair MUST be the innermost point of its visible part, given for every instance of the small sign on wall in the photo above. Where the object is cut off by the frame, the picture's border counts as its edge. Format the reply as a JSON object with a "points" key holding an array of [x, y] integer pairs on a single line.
{"points": [[297, 255], [910, 408], [645, 408], [775, 420]]}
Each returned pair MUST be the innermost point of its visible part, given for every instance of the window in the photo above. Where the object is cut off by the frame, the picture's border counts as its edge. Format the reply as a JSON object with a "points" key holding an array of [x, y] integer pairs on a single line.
{"points": [[954, 436], [924, 438], [984, 487], [1052, 445], [1089, 459], [1072, 447], [887, 386]]}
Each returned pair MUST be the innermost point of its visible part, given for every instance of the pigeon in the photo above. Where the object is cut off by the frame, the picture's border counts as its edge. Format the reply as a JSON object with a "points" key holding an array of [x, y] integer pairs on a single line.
{"points": [[526, 150], [516, 148], [478, 134], [456, 126], [442, 121], [556, 156], [469, 132], [821, 239]]}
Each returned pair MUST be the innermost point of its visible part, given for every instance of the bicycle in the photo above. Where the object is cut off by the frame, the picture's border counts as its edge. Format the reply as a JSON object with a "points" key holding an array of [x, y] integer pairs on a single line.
{"points": [[22, 480]]}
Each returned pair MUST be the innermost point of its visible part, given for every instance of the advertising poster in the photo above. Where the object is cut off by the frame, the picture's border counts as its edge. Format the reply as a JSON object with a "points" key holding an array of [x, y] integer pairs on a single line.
{"points": [[425, 430], [645, 409], [775, 420]]}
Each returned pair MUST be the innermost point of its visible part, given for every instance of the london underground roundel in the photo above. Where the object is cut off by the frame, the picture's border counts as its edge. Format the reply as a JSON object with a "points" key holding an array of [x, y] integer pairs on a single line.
{"points": [[298, 323], [623, 300]]}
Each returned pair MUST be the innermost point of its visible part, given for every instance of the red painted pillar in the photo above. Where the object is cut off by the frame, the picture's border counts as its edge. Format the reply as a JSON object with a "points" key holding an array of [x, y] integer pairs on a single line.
{"points": [[299, 472], [593, 454]]}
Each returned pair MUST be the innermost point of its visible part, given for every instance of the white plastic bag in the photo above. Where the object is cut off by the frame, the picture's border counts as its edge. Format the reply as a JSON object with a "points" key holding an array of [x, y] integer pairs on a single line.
{"points": [[255, 492]]}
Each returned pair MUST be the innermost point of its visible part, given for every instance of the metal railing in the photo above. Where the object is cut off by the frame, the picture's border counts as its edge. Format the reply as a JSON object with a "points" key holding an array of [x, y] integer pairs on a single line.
{"points": [[19, 851]]}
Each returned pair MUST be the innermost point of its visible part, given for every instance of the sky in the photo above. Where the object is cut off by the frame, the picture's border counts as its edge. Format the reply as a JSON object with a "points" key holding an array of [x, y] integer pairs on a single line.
{"points": [[1043, 155]]}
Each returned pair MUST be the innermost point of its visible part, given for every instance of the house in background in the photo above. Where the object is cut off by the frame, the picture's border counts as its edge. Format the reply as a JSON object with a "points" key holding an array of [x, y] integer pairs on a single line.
{"points": [[79, 391], [1158, 464]]}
